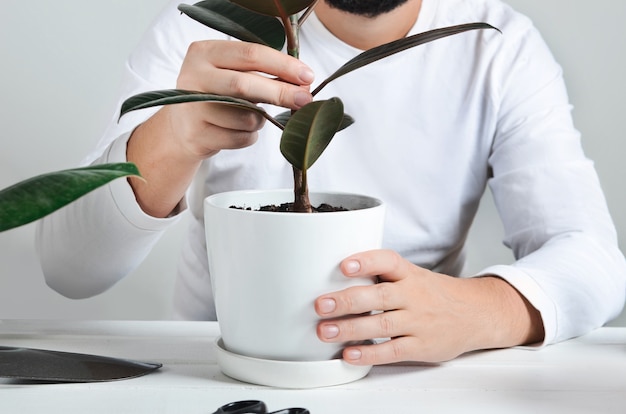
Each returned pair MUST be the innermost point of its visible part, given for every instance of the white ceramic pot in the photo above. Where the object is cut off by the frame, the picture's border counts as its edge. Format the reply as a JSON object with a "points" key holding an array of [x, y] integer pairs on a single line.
{"points": [[267, 268]]}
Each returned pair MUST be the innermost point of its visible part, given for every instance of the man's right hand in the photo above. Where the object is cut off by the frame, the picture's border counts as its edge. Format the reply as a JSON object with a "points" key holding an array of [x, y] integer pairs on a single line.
{"points": [[169, 147]]}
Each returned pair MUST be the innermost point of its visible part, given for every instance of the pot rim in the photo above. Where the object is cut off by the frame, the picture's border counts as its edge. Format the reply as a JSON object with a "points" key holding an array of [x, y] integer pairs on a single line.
{"points": [[286, 195]]}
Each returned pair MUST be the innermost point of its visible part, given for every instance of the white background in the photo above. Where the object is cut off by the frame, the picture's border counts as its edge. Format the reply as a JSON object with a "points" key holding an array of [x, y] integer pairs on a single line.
{"points": [[60, 64]]}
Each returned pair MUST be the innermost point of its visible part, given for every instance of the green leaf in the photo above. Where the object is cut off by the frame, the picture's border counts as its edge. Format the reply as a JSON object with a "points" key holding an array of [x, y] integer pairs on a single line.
{"points": [[309, 131], [388, 49], [269, 7], [177, 96], [284, 117], [39, 196], [238, 22]]}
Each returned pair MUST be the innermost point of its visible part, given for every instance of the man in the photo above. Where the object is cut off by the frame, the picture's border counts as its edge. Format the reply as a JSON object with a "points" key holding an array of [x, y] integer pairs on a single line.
{"points": [[435, 125]]}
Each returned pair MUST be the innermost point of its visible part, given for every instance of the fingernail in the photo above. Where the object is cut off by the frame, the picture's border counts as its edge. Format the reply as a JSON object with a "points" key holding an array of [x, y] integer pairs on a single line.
{"points": [[330, 331], [353, 354], [302, 98], [352, 266], [307, 76], [327, 305]]}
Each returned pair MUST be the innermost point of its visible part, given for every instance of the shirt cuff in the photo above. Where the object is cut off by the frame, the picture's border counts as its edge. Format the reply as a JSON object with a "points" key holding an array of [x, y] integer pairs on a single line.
{"points": [[528, 288]]}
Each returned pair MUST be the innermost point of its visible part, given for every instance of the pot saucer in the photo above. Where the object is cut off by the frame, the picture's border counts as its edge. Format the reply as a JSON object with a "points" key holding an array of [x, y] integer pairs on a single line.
{"points": [[287, 374]]}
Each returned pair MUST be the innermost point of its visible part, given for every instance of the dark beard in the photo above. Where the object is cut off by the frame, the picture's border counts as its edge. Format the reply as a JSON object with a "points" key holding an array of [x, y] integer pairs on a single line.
{"points": [[367, 8]]}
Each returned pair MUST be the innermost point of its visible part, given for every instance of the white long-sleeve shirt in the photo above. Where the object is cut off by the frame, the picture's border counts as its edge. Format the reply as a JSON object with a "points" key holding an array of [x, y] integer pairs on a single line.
{"points": [[435, 126]]}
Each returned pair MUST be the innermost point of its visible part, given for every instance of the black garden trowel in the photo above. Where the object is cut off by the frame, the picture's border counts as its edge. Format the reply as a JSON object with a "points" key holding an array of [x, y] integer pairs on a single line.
{"points": [[38, 365]]}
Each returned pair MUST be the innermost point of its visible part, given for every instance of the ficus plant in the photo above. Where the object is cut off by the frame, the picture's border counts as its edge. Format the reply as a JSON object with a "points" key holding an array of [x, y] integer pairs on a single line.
{"points": [[275, 23], [305, 133]]}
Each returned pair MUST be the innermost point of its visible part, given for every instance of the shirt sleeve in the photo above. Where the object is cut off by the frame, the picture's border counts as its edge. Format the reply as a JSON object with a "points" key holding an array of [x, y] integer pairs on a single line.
{"points": [[89, 245], [555, 218]]}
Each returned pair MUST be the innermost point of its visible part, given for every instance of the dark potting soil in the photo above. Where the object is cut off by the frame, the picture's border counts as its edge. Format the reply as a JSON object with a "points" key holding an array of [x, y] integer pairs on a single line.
{"points": [[288, 208]]}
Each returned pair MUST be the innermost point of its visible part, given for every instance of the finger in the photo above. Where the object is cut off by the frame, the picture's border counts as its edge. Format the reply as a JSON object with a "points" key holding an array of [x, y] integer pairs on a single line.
{"points": [[219, 127], [360, 299], [388, 352], [241, 70], [401, 349], [244, 57], [388, 265], [217, 139], [259, 89], [231, 118], [380, 325]]}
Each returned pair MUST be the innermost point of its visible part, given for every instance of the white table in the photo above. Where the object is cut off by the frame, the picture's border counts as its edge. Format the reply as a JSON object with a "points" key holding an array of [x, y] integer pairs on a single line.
{"points": [[585, 375]]}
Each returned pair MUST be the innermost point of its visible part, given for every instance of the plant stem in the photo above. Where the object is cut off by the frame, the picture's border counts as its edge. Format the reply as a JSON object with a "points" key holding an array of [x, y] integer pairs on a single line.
{"points": [[301, 203], [293, 44], [291, 30], [307, 13]]}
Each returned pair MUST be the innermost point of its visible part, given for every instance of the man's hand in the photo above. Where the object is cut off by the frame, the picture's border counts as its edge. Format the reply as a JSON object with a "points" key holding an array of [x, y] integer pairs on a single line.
{"points": [[429, 317], [242, 70], [170, 146]]}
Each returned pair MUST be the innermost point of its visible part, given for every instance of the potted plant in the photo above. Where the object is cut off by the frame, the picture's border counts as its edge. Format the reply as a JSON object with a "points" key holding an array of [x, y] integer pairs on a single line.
{"points": [[264, 307]]}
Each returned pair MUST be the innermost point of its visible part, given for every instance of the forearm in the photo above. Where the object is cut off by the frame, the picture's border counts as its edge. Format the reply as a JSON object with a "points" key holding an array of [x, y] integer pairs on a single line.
{"points": [[166, 172]]}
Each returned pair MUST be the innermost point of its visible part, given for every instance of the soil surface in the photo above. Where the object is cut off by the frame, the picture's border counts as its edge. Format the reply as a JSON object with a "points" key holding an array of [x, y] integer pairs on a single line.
{"points": [[288, 208]]}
